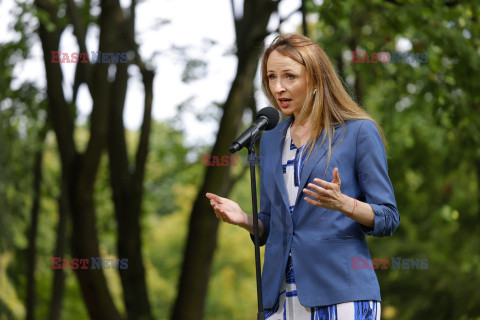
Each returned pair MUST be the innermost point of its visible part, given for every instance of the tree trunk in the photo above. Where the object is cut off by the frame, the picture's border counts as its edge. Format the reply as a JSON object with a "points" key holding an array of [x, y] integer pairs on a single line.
{"points": [[84, 246], [202, 236], [32, 233], [477, 170], [127, 186], [59, 275], [79, 171], [128, 194], [303, 10]]}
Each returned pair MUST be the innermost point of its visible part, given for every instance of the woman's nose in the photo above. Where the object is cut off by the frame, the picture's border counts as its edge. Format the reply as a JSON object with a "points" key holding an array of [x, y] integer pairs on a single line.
{"points": [[278, 87]]}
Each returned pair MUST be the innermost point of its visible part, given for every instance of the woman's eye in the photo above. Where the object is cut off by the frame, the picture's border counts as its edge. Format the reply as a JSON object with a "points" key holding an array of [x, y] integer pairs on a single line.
{"points": [[271, 76], [290, 76]]}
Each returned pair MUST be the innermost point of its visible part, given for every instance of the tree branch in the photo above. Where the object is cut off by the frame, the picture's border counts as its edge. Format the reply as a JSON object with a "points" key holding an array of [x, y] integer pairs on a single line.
{"points": [[147, 76], [58, 109], [110, 21], [117, 147], [142, 150], [235, 19], [83, 70], [303, 10]]}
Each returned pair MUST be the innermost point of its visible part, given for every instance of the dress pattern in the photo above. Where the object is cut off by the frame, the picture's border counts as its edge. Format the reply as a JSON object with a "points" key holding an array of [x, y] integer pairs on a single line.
{"points": [[288, 306]]}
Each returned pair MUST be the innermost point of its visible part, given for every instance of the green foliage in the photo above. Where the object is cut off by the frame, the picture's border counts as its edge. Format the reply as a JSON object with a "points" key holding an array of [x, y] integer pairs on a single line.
{"points": [[430, 115], [194, 70], [22, 119]]}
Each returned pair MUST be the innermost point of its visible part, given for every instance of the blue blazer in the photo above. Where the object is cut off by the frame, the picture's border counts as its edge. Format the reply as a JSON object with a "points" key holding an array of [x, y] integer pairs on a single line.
{"points": [[323, 242]]}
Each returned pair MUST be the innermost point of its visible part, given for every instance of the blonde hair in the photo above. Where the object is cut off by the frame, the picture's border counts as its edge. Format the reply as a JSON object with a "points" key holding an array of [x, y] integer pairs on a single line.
{"points": [[331, 104]]}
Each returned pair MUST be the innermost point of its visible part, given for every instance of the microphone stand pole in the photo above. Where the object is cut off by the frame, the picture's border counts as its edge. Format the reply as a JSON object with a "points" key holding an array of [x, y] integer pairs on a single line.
{"points": [[252, 160]]}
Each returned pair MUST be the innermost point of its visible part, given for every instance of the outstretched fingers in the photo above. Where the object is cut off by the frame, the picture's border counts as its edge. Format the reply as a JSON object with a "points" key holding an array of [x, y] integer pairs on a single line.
{"points": [[318, 189], [325, 184], [214, 197], [312, 201], [216, 203]]}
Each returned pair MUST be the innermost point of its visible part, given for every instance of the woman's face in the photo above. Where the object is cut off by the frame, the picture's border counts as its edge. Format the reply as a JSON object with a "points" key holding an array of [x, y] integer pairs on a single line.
{"points": [[288, 82]]}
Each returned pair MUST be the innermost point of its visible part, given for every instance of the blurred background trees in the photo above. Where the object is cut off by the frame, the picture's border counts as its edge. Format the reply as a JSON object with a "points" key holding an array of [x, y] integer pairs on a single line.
{"points": [[430, 114], [75, 189]]}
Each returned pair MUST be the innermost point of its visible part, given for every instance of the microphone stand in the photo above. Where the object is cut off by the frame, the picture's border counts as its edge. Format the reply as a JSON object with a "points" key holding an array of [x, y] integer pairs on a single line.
{"points": [[252, 159]]}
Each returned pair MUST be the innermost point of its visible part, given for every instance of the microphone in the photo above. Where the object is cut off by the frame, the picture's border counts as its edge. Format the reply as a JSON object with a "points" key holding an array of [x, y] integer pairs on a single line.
{"points": [[267, 118]]}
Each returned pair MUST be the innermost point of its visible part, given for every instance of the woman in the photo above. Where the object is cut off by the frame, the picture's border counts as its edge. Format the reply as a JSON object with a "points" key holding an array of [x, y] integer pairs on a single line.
{"points": [[312, 222]]}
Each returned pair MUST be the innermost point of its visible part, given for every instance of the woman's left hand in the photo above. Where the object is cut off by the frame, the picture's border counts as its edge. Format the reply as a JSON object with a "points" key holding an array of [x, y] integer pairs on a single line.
{"points": [[326, 194]]}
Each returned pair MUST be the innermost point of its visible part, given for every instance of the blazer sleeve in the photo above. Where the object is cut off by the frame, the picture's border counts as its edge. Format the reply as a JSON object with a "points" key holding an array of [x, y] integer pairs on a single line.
{"points": [[265, 206], [375, 184]]}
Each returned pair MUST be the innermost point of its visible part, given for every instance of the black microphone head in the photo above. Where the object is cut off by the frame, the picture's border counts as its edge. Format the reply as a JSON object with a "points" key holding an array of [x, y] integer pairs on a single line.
{"points": [[272, 116]]}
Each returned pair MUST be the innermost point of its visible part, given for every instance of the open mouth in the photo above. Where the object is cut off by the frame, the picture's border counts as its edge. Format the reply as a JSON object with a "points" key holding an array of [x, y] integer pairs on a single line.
{"points": [[284, 102]]}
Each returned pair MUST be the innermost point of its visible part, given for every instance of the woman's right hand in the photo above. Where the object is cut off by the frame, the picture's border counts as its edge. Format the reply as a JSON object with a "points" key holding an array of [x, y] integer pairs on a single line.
{"points": [[227, 210]]}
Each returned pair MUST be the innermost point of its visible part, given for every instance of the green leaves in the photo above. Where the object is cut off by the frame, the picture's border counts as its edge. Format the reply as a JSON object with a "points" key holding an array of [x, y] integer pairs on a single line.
{"points": [[430, 114]]}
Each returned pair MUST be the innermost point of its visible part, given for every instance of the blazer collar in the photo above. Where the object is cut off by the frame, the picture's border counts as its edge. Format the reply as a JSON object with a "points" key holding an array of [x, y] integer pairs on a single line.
{"points": [[278, 172]]}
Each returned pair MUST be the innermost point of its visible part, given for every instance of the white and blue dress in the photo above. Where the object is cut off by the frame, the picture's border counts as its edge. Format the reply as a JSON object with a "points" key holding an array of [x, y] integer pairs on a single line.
{"points": [[288, 306]]}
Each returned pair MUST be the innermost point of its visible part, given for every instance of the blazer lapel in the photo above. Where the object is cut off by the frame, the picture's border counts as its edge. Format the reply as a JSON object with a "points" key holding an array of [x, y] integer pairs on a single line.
{"points": [[278, 172], [317, 154]]}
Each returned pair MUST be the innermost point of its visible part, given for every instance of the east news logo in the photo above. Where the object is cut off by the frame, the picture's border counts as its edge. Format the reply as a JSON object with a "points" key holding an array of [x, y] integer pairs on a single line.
{"points": [[83, 57], [92, 263], [392, 57], [397, 263]]}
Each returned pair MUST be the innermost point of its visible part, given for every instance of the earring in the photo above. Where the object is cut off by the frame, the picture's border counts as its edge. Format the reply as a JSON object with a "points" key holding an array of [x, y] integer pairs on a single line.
{"points": [[314, 93]]}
